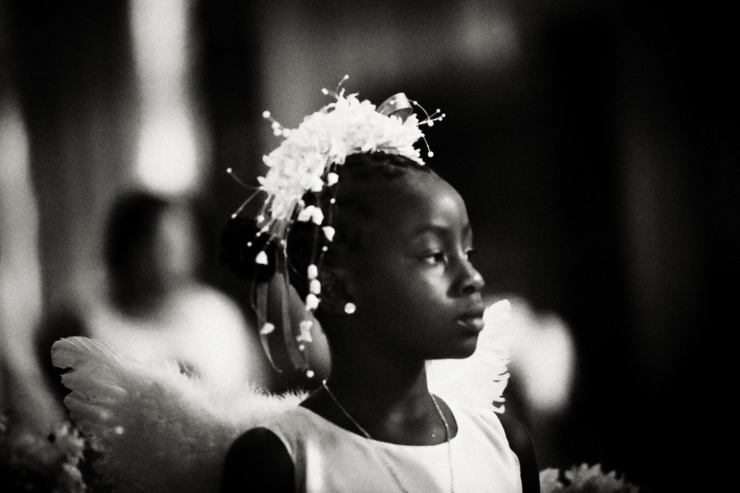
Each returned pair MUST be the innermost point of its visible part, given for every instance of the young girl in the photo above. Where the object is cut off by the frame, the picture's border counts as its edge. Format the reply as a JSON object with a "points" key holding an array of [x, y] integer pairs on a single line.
{"points": [[379, 247]]}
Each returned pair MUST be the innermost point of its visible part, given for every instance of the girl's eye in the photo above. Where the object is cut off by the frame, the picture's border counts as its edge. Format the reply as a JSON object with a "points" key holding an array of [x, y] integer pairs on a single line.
{"points": [[434, 258], [470, 253]]}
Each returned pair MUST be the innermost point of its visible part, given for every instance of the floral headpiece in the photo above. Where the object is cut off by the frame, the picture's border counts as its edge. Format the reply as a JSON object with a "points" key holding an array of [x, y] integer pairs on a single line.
{"points": [[306, 161]]}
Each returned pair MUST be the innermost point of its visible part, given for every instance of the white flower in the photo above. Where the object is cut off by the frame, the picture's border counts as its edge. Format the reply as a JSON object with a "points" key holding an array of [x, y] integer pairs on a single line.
{"points": [[311, 213], [305, 214], [585, 479], [325, 138]]}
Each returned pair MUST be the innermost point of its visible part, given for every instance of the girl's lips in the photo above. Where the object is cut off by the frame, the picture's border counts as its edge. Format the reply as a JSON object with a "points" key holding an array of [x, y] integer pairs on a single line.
{"points": [[473, 322]]}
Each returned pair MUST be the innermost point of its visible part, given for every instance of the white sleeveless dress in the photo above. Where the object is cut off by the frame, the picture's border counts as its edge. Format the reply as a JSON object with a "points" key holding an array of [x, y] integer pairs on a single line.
{"points": [[329, 459]]}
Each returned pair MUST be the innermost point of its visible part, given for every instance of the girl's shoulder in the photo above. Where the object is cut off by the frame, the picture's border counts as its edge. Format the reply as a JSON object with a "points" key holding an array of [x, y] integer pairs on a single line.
{"points": [[262, 458], [521, 444], [258, 460], [475, 417], [301, 428], [515, 434]]}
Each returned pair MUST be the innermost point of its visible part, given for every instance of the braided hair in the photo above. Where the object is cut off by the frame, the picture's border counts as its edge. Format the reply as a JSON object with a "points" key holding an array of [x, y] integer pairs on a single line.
{"points": [[348, 207]]}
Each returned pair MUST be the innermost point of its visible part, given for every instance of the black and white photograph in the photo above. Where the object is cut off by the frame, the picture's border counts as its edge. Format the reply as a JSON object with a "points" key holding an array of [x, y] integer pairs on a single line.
{"points": [[368, 247]]}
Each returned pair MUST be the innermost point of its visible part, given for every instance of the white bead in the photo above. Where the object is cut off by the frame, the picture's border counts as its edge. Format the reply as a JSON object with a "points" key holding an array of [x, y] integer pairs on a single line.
{"points": [[315, 286], [305, 334], [312, 301], [305, 213], [268, 328]]}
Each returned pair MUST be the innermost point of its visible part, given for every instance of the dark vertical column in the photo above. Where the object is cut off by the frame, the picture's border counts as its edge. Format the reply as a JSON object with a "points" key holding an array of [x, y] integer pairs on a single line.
{"points": [[228, 86], [578, 54], [699, 300]]}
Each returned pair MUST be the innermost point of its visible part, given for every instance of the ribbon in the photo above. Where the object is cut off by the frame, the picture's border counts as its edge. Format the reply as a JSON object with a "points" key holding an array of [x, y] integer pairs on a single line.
{"points": [[396, 105]]}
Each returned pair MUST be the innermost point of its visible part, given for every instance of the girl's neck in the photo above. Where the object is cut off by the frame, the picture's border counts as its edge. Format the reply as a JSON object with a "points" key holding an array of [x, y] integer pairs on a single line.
{"points": [[363, 365], [385, 382], [391, 402]]}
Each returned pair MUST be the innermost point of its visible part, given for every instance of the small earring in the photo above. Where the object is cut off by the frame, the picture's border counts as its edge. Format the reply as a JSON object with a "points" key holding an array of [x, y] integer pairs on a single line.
{"points": [[350, 308]]}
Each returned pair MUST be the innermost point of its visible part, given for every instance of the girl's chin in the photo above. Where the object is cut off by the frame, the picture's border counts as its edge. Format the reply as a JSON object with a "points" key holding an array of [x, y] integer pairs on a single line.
{"points": [[461, 350]]}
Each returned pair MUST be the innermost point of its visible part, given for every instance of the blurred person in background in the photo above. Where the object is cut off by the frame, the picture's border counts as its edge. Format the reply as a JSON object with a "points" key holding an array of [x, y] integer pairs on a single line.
{"points": [[151, 304]]}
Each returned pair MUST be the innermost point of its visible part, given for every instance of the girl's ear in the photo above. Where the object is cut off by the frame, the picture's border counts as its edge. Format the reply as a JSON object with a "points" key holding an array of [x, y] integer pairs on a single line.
{"points": [[335, 289]]}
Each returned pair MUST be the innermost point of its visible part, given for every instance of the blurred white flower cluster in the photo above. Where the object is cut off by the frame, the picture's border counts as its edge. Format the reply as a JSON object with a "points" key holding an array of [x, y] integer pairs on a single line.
{"points": [[29, 462], [585, 479]]}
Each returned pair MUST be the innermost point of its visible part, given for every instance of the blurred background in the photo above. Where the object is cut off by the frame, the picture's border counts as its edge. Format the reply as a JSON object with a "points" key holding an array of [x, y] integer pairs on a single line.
{"points": [[595, 142]]}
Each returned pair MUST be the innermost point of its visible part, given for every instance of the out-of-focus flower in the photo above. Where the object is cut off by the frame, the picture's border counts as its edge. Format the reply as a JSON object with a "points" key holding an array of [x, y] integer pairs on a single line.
{"points": [[585, 479], [34, 463]]}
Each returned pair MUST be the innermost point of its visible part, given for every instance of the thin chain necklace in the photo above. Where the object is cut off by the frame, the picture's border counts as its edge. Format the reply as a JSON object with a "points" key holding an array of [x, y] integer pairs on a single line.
{"points": [[367, 435]]}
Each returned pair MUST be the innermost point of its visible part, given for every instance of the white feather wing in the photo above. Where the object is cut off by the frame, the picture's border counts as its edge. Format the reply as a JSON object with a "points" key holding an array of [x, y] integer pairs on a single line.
{"points": [[480, 379], [158, 430]]}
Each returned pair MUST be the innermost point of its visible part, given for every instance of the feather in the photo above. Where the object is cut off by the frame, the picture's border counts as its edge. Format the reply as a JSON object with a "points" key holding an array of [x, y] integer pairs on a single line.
{"points": [[157, 430], [480, 379]]}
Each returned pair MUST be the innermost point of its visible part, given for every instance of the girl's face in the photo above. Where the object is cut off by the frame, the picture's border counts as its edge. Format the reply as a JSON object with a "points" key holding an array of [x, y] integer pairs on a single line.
{"points": [[413, 283]]}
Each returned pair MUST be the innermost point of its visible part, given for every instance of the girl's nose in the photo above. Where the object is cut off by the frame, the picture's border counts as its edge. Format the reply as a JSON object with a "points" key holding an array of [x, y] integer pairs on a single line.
{"points": [[473, 281]]}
